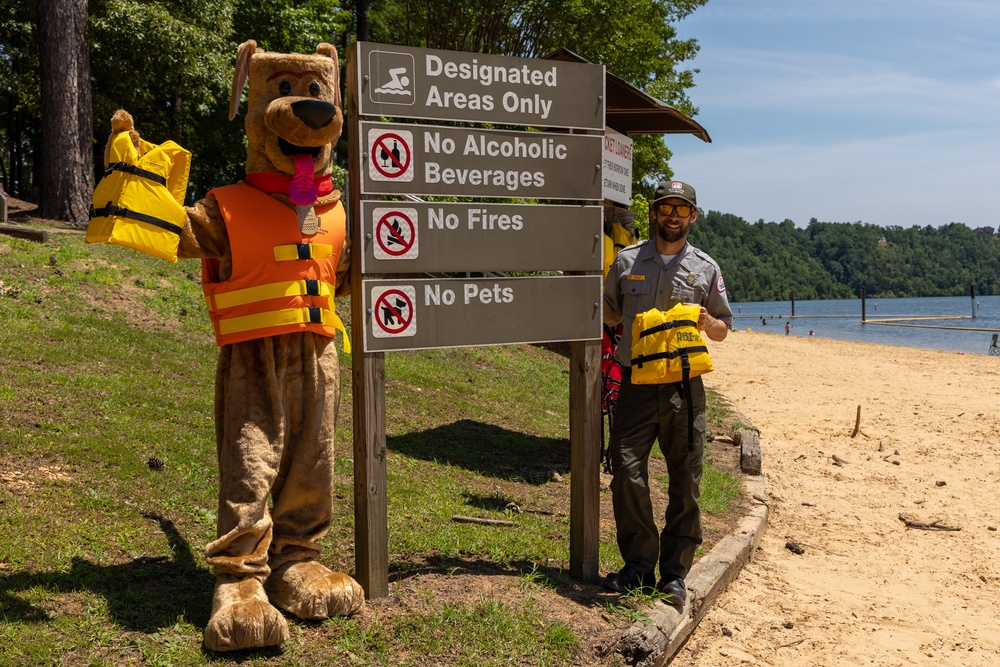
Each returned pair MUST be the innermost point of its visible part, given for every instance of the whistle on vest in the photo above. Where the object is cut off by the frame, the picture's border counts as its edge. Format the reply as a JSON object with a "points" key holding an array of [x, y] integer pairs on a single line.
{"points": [[308, 221]]}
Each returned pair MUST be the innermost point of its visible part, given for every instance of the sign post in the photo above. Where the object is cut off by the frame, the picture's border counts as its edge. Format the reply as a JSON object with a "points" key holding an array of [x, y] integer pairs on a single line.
{"points": [[368, 403], [393, 240]]}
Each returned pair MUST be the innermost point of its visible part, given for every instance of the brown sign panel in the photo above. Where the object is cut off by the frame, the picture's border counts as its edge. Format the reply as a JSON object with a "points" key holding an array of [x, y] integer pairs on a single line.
{"points": [[408, 82], [457, 312], [466, 162], [413, 237]]}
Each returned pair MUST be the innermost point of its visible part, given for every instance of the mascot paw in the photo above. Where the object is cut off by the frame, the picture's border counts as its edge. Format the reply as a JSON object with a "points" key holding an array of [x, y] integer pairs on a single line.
{"points": [[242, 618], [311, 591], [122, 121]]}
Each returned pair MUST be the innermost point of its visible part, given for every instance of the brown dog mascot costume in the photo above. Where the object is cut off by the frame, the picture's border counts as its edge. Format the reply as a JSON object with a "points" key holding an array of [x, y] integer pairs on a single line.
{"points": [[274, 253]]}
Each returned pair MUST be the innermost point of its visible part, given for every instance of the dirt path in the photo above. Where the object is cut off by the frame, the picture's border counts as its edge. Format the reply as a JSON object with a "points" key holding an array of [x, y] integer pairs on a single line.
{"points": [[867, 590]]}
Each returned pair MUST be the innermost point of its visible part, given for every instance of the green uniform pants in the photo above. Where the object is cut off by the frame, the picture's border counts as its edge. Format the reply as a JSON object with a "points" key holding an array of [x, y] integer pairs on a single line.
{"points": [[644, 414]]}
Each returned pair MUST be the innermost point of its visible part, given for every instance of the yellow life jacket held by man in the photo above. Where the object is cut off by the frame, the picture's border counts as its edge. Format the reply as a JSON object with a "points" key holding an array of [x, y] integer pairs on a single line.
{"points": [[138, 202], [667, 346], [282, 281]]}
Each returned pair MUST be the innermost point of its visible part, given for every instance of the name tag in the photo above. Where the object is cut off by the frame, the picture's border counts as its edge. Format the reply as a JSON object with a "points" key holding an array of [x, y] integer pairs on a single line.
{"points": [[633, 276]]}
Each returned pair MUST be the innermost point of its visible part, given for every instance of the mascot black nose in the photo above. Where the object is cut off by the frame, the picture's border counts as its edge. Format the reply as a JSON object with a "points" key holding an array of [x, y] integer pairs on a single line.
{"points": [[314, 113]]}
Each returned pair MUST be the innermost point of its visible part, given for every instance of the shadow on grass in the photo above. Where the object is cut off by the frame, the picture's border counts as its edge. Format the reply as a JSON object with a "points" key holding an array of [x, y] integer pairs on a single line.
{"points": [[587, 594], [488, 450], [145, 595]]}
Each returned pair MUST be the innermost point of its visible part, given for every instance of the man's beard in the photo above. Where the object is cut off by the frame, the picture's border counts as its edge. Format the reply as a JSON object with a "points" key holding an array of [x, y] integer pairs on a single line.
{"points": [[669, 235]]}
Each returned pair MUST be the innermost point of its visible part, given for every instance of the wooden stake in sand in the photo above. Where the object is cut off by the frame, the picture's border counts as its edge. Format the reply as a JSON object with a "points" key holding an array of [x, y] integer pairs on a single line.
{"points": [[857, 423]]}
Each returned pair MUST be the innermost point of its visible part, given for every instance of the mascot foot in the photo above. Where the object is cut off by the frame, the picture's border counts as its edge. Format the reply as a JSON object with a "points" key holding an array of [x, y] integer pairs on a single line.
{"points": [[242, 618], [311, 591]]}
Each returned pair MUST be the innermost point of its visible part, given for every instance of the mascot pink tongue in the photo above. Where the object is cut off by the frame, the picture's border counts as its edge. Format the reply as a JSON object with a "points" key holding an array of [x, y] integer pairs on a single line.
{"points": [[302, 191]]}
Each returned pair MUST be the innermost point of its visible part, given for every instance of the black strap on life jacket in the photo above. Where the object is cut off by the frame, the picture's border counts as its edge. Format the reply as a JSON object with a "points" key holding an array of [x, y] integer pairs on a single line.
{"points": [[672, 324], [685, 390], [679, 352], [129, 168], [111, 209]]}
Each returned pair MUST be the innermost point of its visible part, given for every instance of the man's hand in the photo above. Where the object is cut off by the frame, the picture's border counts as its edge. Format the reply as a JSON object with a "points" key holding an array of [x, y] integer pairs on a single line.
{"points": [[714, 328]]}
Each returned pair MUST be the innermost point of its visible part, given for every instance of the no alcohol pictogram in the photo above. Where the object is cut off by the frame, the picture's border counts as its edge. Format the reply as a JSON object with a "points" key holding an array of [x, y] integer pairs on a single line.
{"points": [[392, 311], [395, 233], [390, 155]]}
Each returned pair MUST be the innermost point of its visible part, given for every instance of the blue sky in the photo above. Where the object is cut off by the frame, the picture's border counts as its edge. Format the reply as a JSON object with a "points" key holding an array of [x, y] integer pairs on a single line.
{"points": [[880, 111]]}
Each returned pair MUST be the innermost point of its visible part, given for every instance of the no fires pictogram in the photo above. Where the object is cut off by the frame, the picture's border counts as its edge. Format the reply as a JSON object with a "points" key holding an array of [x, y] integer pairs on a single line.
{"points": [[395, 231], [390, 155], [392, 311]]}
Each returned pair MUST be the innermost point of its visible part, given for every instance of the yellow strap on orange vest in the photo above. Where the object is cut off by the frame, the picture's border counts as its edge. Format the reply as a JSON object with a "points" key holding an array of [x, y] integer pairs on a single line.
{"points": [[277, 318], [284, 253], [272, 291]]}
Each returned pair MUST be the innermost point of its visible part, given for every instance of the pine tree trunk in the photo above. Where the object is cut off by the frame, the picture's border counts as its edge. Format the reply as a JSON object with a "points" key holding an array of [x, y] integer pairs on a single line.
{"points": [[67, 167]]}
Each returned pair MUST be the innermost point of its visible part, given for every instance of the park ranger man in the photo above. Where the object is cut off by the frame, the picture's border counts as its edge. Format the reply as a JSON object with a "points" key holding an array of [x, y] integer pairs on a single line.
{"points": [[661, 272]]}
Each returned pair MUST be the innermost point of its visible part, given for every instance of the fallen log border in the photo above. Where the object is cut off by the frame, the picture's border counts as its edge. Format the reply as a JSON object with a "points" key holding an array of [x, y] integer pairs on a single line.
{"points": [[29, 233]]}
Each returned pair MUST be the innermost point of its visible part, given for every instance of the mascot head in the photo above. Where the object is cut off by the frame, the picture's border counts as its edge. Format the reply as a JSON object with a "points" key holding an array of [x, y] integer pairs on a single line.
{"points": [[294, 115]]}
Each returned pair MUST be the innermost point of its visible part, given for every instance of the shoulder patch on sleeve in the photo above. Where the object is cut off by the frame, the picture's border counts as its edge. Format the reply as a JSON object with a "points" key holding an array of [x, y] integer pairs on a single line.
{"points": [[721, 285]]}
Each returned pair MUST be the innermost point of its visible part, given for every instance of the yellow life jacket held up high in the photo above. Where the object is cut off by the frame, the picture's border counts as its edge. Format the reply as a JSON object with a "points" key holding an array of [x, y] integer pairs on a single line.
{"points": [[667, 347], [138, 202]]}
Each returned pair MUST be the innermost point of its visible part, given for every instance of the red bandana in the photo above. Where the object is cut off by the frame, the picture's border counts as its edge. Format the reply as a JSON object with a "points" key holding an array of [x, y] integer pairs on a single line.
{"points": [[269, 181]]}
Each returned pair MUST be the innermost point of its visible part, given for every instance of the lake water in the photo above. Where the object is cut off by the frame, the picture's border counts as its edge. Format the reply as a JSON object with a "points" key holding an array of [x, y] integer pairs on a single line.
{"points": [[841, 319]]}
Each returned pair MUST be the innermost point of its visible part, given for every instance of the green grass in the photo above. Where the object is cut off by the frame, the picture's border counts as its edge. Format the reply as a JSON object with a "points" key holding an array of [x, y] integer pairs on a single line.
{"points": [[107, 360], [453, 634]]}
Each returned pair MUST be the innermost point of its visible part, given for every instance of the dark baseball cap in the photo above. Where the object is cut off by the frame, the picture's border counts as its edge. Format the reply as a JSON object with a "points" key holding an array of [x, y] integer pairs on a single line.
{"points": [[676, 189]]}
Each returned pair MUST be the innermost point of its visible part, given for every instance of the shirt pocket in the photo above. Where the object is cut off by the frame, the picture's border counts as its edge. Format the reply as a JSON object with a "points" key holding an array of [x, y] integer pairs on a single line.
{"points": [[683, 294], [636, 297]]}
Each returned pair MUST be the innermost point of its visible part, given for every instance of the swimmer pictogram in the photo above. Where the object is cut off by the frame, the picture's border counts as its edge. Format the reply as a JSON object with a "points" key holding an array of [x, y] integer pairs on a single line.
{"points": [[397, 84], [392, 77]]}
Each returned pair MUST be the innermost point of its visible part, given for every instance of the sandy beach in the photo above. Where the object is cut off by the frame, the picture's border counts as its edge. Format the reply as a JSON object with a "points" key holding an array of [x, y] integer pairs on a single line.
{"points": [[867, 589]]}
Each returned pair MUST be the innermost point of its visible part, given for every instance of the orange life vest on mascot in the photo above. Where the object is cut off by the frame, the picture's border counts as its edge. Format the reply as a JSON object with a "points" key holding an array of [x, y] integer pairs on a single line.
{"points": [[281, 281]]}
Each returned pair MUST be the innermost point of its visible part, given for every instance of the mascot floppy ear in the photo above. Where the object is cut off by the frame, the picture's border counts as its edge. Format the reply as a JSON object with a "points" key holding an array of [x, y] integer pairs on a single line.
{"points": [[243, 54], [330, 51]]}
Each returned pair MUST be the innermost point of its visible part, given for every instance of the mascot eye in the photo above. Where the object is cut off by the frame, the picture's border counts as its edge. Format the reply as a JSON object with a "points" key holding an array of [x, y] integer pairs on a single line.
{"points": [[285, 88], [314, 89]]}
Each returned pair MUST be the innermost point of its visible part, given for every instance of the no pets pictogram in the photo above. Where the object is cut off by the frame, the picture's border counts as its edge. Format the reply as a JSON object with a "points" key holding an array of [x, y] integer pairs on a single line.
{"points": [[392, 311]]}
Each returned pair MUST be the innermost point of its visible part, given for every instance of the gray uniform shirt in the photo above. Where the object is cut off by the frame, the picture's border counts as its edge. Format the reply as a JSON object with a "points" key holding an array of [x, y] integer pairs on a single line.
{"points": [[639, 281]]}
